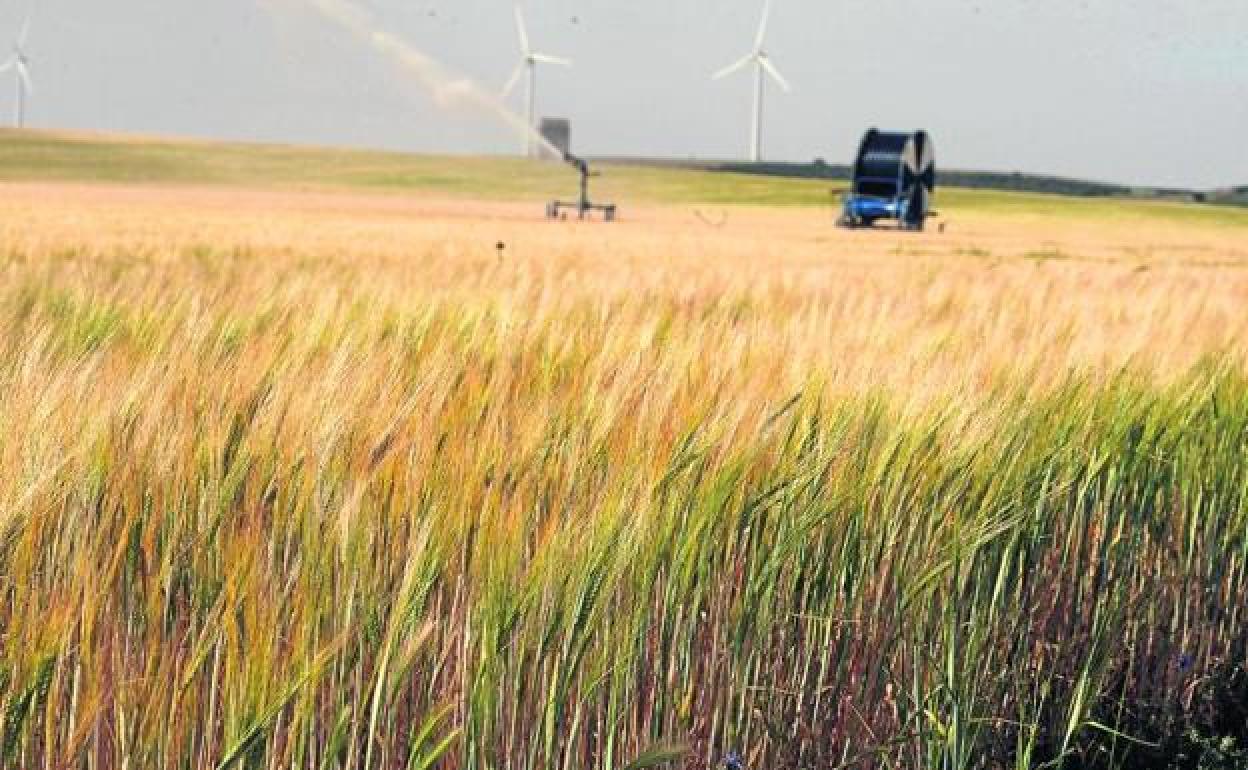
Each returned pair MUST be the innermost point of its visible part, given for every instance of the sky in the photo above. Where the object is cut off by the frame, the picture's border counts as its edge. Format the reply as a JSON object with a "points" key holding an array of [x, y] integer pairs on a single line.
{"points": [[1149, 92]]}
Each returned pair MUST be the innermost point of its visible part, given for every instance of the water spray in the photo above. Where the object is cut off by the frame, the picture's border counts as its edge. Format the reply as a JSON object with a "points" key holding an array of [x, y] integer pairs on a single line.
{"points": [[450, 89], [447, 87]]}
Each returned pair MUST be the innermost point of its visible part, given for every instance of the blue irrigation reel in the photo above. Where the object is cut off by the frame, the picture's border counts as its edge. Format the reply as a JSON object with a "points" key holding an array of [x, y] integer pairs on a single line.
{"points": [[894, 180]]}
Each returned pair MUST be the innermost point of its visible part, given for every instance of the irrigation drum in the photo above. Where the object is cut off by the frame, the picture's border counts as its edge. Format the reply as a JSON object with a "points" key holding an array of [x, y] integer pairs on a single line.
{"points": [[894, 179]]}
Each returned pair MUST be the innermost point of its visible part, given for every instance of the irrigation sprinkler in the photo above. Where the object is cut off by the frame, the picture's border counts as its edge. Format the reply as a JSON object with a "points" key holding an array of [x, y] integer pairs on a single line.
{"points": [[583, 207]]}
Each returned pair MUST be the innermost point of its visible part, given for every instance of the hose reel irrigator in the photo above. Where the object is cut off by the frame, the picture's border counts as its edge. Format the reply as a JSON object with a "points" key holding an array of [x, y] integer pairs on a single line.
{"points": [[894, 179]]}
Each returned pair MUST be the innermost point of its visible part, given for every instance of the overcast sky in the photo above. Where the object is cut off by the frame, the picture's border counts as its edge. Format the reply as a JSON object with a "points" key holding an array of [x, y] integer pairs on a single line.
{"points": [[1146, 91]]}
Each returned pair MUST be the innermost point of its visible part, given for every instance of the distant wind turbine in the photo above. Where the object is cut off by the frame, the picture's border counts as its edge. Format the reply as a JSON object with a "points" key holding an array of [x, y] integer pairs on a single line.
{"points": [[19, 62], [528, 63], [762, 64]]}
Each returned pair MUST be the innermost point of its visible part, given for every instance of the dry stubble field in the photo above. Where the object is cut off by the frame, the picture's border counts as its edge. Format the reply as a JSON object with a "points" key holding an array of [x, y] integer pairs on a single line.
{"points": [[322, 479]]}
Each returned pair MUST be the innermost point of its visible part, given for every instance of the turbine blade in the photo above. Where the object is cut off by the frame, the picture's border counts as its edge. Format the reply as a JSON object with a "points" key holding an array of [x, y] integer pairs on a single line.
{"points": [[524, 32], [515, 79], [734, 67], [24, 74], [543, 58], [775, 73], [8, 65], [762, 26]]}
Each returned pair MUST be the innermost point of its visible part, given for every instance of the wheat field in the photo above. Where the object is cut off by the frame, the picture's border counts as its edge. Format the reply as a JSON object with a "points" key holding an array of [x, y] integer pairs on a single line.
{"points": [[330, 478]]}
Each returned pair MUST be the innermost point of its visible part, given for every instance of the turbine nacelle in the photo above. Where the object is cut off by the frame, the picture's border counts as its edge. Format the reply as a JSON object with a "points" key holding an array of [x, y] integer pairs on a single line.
{"points": [[541, 58]]}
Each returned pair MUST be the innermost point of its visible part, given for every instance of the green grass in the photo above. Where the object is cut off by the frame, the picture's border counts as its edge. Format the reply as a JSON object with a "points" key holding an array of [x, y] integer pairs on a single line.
{"points": [[30, 156], [1089, 210], [27, 156]]}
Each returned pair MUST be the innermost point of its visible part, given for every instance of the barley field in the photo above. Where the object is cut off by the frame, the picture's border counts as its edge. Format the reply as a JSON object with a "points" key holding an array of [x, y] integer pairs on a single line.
{"points": [[348, 471]]}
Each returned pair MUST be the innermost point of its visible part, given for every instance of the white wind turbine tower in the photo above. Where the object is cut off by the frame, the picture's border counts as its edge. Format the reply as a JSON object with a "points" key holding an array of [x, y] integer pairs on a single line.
{"points": [[762, 64], [20, 63], [528, 63]]}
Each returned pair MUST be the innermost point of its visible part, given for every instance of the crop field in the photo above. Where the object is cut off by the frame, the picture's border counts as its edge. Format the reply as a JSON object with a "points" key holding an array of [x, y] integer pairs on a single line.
{"points": [[316, 459]]}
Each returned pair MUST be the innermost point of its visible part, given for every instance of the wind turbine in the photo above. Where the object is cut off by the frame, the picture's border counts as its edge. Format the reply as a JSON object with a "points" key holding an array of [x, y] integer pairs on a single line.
{"points": [[20, 63], [762, 64], [528, 63]]}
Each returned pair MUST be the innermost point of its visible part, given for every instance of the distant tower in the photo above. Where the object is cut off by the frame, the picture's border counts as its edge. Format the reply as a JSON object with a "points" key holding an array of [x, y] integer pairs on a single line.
{"points": [[558, 132]]}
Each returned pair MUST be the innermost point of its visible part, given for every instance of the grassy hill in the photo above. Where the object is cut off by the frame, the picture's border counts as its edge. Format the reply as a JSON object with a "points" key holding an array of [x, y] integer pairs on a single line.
{"points": [[49, 156], [42, 156]]}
